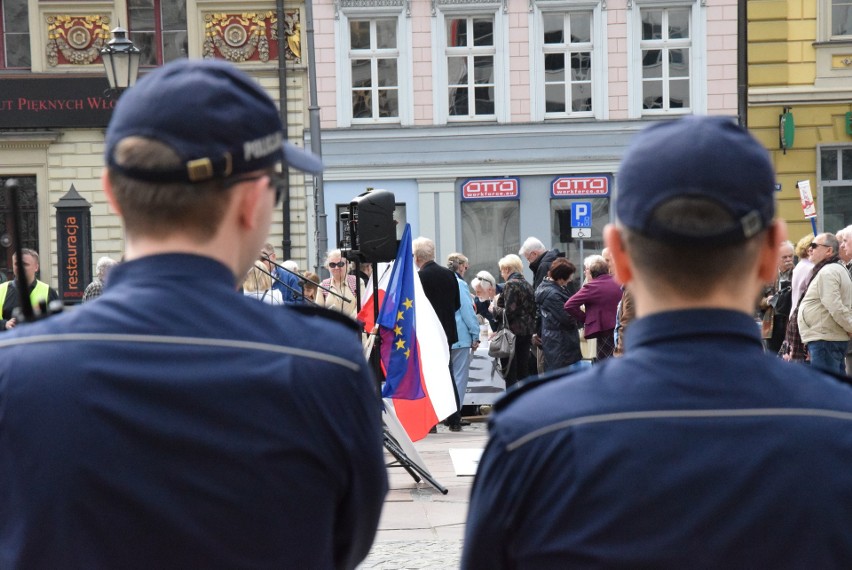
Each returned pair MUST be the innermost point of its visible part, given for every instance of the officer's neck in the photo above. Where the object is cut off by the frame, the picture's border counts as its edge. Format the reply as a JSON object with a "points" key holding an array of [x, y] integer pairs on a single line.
{"points": [[654, 298]]}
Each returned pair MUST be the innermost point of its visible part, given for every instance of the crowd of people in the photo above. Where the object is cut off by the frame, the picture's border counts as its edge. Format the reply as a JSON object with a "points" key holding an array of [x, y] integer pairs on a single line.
{"points": [[175, 422]]}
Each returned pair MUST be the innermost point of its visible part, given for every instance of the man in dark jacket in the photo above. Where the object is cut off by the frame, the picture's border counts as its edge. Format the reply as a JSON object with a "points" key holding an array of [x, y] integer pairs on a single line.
{"points": [[539, 258]]}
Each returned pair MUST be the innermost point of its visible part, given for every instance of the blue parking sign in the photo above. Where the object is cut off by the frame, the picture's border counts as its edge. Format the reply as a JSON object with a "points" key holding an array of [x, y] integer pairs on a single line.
{"points": [[581, 215]]}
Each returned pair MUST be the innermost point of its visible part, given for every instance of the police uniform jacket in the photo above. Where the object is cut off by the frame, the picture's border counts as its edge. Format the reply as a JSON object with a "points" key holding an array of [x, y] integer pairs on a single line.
{"points": [[694, 450], [175, 423]]}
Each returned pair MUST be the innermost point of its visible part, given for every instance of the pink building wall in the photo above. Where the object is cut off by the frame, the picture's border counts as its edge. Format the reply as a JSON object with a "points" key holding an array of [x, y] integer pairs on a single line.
{"points": [[720, 43]]}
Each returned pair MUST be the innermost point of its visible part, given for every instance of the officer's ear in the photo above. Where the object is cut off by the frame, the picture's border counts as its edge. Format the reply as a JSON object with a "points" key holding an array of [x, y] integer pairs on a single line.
{"points": [[622, 268], [252, 202], [107, 187]]}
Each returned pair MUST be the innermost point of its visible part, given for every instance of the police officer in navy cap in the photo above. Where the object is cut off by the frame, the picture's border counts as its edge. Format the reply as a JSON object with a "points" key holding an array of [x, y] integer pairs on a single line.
{"points": [[176, 423], [694, 450]]}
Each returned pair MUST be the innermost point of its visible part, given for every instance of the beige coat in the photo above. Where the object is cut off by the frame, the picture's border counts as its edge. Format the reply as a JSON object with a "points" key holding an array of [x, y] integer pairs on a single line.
{"points": [[825, 311]]}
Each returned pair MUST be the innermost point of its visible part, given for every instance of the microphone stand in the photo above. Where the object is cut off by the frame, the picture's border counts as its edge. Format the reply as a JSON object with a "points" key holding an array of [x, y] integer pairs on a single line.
{"points": [[265, 257]]}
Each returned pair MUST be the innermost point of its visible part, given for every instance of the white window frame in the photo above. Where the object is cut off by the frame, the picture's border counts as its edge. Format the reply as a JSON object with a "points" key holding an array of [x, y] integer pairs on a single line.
{"points": [[833, 53], [823, 184], [697, 58], [344, 67], [440, 92], [538, 110]]}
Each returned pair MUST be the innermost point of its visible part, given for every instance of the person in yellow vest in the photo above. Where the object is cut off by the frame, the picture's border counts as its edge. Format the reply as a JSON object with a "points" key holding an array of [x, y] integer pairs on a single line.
{"points": [[38, 290]]}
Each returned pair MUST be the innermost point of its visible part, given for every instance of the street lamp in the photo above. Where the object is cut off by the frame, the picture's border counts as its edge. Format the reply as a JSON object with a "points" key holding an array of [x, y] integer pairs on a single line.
{"points": [[121, 61]]}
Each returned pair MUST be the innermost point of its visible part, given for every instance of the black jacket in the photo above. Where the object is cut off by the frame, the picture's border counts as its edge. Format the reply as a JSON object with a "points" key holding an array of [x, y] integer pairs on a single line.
{"points": [[560, 339], [442, 290]]}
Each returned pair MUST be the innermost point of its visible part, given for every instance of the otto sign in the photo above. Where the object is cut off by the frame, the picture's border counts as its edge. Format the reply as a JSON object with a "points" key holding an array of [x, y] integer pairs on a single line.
{"points": [[490, 188], [580, 186]]}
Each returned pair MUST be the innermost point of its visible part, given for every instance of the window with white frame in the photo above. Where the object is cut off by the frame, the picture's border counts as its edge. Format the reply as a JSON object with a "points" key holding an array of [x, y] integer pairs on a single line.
{"points": [[834, 45], [470, 56], [835, 187], [841, 19], [14, 35], [373, 58], [470, 61], [665, 50], [568, 54], [373, 63]]}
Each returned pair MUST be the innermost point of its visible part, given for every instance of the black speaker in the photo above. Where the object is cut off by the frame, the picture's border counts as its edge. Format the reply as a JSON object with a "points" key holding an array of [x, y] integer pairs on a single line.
{"points": [[375, 229]]}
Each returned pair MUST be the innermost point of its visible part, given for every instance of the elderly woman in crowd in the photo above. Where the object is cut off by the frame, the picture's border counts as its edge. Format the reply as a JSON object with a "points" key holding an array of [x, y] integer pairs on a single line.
{"points": [[485, 288], [517, 304], [560, 337], [341, 284], [96, 287], [595, 305]]}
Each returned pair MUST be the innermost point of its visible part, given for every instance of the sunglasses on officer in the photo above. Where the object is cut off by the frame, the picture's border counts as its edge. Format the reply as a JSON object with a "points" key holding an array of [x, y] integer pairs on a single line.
{"points": [[276, 183]]}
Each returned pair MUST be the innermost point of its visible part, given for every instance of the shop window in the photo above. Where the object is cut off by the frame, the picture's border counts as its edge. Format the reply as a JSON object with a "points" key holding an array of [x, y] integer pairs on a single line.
{"points": [[158, 29], [28, 205], [14, 35], [490, 230], [835, 188]]}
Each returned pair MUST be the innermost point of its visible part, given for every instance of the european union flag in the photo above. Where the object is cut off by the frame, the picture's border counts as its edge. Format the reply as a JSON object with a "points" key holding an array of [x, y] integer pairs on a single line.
{"points": [[398, 325]]}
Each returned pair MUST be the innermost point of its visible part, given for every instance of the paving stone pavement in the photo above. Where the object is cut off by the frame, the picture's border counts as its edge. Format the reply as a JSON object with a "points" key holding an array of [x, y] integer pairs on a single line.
{"points": [[420, 528]]}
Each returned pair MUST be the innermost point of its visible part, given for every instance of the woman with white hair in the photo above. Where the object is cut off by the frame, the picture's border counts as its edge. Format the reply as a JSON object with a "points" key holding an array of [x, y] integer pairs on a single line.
{"points": [[485, 288], [342, 285]]}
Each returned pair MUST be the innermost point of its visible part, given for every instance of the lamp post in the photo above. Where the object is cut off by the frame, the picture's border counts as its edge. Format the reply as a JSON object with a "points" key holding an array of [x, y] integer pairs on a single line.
{"points": [[121, 61]]}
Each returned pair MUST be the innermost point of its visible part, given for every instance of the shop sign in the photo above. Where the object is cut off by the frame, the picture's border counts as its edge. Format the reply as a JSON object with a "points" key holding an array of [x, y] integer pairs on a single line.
{"points": [[491, 189], [54, 102], [580, 186]]}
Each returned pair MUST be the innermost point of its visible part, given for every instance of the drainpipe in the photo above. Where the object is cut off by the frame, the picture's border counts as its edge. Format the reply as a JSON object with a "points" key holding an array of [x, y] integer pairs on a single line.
{"points": [[742, 62], [286, 242], [316, 147]]}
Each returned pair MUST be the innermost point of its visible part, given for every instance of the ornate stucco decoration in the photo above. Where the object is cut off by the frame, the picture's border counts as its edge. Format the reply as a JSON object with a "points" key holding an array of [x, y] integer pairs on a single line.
{"points": [[76, 40], [251, 36], [345, 4], [453, 3]]}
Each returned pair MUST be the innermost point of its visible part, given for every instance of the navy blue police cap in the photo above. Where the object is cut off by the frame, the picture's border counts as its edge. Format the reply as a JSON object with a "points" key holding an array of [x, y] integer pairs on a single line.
{"points": [[215, 117], [702, 157]]}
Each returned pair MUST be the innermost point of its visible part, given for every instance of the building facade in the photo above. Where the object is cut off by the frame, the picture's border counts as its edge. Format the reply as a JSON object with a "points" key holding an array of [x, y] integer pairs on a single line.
{"points": [[494, 120], [54, 110], [800, 67]]}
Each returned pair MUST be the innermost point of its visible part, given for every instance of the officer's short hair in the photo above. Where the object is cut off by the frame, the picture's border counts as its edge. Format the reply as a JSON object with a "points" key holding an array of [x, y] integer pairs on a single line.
{"points": [[694, 272], [164, 208]]}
